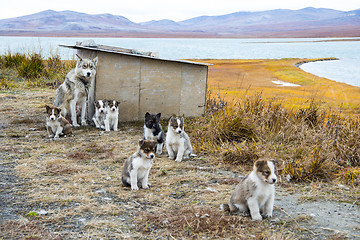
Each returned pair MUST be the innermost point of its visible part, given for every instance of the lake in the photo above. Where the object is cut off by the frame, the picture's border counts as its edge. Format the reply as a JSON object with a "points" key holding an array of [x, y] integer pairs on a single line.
{"points": [[346, 69]]}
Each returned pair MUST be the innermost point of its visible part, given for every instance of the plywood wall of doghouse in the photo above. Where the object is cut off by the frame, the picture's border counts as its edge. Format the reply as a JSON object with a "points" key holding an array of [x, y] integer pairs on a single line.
{"points": [[151, 85]]}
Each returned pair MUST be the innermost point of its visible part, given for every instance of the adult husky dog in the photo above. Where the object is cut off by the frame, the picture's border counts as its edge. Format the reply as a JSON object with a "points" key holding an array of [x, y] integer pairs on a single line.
{"points": [[73, 93]]}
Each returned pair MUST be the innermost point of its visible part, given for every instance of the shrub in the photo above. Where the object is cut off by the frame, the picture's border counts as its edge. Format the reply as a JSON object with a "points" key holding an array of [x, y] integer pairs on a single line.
{"points": [[32, 67], [10, 60], [313, 143]]}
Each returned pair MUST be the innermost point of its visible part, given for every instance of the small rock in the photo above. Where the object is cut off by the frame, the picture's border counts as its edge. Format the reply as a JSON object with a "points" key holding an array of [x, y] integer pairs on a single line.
{"points": [[211, 189], [42, 212]]}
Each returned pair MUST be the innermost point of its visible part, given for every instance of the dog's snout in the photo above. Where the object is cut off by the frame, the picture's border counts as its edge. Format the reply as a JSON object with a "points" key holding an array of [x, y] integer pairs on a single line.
{"points": [[88, 74], [274, 180], [52, 118], [152, 155]]}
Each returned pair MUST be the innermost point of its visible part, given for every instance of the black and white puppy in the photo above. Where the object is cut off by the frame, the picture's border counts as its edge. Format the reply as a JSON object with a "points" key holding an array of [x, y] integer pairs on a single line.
{"points": [[153, 131], [177, 141], [137, 167], [256, 192]]}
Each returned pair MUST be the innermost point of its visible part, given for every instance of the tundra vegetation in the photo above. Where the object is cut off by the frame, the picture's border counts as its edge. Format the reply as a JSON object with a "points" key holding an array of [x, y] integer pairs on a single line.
{"points": [[71, 188]]}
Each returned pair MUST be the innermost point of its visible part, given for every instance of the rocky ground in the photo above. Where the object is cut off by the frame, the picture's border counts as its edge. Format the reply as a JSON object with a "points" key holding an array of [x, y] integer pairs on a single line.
{"points": [[71, 189]]}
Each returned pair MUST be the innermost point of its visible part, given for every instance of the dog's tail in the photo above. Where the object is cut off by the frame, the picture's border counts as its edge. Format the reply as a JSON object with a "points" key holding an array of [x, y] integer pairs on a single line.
{"points": [[225, 207], [59, 96], [125, 183]]}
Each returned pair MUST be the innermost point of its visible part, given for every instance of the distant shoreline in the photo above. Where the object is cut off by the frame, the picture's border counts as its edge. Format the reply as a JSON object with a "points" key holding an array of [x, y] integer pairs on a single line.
{"points": [[298, 64], [176, 35]]}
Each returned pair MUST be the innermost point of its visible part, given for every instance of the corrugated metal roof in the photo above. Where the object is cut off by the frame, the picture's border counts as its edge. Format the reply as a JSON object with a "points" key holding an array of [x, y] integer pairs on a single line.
{"points": [[124, 51]]}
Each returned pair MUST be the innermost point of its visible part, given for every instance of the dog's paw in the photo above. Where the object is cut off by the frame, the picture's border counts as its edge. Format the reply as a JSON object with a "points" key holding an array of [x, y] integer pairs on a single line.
{"points": [[76, 125], [84, 124], [268, 215], [134, 188], [256, 218], [178, 160], [51, 136], [147, 186], [171, 157]]}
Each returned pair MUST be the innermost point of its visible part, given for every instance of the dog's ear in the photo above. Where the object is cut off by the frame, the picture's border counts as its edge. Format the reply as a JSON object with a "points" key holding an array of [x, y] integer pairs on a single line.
{"points": [[141, 142], [171, 118], [182, 118], [275, 161], [147, 114], [259, 163], [79, 58], [47, 108], [158, 116], [95, 61]]}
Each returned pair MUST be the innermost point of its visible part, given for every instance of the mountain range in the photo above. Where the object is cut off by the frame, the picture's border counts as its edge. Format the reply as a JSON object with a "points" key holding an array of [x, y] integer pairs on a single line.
{"points": [[307, 22]]}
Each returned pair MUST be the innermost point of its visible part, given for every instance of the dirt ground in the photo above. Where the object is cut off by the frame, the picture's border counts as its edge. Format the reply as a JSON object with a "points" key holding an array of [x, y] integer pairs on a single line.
{"points": [[71, 188]]}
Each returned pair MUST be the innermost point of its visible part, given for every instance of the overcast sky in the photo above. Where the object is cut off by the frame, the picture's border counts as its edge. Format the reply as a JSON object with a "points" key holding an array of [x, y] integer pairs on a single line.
{"points": [[146, 10]]}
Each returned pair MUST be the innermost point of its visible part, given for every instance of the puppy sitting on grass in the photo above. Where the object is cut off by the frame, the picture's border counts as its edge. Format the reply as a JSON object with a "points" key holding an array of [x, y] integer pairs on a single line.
{"points": [[178, 143], [137, 167], [256, 192], [56, 124]]}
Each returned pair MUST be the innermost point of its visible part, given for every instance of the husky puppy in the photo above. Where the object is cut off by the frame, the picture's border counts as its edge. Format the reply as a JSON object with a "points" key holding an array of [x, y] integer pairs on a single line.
{"points": [[56, 125], [100, 114], [112, 115], [256, 192], [153, 130], [177, 141], [137, 167], [73, 93]]}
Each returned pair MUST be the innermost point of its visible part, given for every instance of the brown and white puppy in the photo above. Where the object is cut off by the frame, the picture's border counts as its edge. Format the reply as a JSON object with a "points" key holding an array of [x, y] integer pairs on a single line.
{"points": [[56, 124], [256, 192], [178, 143], [137, 167], [112, 115], [100, 114]]}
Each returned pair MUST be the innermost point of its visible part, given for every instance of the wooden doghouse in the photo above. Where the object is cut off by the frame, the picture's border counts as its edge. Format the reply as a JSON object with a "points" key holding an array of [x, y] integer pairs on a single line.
{"points": [[143, 83]]}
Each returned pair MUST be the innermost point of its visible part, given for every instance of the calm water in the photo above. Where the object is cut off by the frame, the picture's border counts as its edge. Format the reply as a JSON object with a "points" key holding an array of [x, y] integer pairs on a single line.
{"points": [[344, 70]]}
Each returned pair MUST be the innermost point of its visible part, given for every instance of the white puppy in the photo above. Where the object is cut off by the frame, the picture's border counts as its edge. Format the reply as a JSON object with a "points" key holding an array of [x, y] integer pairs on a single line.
{"points": [[100, 114], [112, 115], [256, 192], [177, 141]]}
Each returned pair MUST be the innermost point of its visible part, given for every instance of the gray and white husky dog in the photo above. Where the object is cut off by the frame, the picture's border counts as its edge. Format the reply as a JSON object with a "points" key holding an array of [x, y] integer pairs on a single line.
{"points": [[73, 93], [153, 131], [177, 141]]}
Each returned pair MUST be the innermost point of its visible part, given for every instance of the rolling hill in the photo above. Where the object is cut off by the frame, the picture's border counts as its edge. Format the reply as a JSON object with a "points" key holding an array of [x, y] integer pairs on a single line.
{"points": [[307, 22]]}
